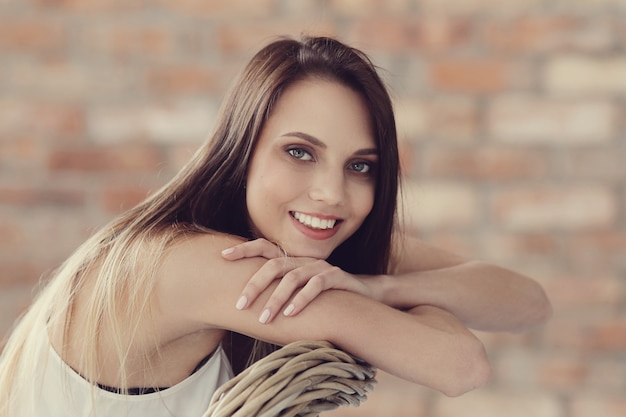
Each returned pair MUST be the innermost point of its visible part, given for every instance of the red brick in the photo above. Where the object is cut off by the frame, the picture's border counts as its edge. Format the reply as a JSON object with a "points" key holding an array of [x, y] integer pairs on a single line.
{"points": [[491, 164], [93, 6], [456, 242], [366, 8], [503, 340], [39, 36], [598, 405], [55, 233], [178, 156], [11, 236], [565, 332], [57, 77], [607, 374], [43, 117], [410, 34], [20, 273], [515, 367], [594, 5], [540, 34], [116, 198], [593, 251], [573, 293], [21, 152], [621, 113], [606, 163], [470, 75], [556, 207], [26, 196], [439, 206], [455, 120], [412, 119], [584, 74], [130, 42], [177, 122], [586, 333], [608, 335], [478, 7], [525, 119], [176, 80], [119, 159], [245, 38], [233, 9], [482, 403], [566, 372], [528, 247], [308, 8]]}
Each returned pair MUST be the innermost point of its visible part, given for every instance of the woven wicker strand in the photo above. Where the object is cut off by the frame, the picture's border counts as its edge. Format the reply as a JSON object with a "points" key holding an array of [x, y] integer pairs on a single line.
{"points": [[301, 379]]}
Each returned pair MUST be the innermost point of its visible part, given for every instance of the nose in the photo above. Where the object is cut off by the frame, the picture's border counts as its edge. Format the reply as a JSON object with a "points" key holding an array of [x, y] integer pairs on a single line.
{"points": [[328, 186]]}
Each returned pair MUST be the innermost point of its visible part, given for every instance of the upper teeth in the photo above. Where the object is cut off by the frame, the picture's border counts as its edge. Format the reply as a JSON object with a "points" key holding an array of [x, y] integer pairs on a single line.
{"points": [[314, 222]]}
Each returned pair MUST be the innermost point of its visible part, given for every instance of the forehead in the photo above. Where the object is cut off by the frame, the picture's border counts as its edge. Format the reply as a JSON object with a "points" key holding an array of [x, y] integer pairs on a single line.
{"points": [[325, 109]]}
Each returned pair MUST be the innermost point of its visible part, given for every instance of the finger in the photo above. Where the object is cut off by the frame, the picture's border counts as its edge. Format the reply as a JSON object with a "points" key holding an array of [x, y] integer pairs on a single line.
{"points": [[262, 278], [289, 285], [258, 247], [317, 284]]}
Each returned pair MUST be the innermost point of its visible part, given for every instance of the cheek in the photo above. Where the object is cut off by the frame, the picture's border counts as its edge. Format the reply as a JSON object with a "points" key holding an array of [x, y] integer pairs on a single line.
{"points": [[363, 201], [266, 186], [256, 196], [264, 189]]}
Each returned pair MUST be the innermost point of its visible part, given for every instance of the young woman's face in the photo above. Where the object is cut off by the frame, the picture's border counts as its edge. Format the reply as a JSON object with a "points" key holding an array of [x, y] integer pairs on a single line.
{"points": [[311, 179]]}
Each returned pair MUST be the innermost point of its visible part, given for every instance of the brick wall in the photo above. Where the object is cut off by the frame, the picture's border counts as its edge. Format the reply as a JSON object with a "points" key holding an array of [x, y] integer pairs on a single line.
{"points": [[511, 115]]}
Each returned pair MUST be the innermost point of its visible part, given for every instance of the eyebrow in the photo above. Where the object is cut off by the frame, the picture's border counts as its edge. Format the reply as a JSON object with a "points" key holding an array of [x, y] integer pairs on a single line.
{"points": [[316, 142]]}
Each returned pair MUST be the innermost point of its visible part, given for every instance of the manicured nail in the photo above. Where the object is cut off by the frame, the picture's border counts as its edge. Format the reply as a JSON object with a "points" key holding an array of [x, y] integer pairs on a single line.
{"points": [[228, 251], [289, 309], [264, 316], [241, 303]]}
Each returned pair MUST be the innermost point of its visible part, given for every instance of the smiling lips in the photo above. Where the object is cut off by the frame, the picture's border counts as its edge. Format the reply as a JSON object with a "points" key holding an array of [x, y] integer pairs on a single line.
{"points": [[314, 222]]}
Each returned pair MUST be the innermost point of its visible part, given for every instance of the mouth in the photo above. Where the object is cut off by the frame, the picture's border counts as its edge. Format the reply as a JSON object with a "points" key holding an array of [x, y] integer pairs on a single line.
{"points": [[314, 222]]}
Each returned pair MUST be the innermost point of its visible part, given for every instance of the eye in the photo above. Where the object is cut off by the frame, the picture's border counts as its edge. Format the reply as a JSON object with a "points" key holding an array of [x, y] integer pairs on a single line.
{"points": [[300, 154], [361, 167]]}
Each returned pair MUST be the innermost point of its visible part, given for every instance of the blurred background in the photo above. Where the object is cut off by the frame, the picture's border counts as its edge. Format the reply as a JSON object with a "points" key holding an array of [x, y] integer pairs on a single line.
{"points": [[511, 115]]}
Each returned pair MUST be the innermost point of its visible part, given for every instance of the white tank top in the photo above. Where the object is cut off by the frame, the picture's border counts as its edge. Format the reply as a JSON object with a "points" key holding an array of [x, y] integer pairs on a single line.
{"points": [[61, 392]]}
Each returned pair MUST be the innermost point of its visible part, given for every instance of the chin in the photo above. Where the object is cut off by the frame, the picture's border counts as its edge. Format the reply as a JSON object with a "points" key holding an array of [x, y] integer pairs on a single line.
{"points": [[315, 253]]}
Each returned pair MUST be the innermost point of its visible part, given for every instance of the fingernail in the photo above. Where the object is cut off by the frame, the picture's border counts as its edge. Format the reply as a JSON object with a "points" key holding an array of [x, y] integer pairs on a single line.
{"points": [[241, 303], [289, 309], [228, 251], [264, 316]]}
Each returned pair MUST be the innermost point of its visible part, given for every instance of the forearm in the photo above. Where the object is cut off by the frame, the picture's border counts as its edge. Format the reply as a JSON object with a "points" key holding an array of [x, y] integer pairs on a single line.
{"points": [[481, 295], [425, 345]]}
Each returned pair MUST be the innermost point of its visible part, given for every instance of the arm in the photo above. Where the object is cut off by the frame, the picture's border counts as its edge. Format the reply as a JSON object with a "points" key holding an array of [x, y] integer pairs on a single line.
{"points": [[482, 295], [198, 290]]}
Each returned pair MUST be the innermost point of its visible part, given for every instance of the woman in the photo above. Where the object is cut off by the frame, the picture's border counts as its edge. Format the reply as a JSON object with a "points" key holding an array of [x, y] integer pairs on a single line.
{"points": [[138, 321]]}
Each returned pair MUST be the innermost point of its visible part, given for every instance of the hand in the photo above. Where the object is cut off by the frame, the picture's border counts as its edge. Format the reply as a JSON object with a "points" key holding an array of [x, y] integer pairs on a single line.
{"points": [[301, 279]]}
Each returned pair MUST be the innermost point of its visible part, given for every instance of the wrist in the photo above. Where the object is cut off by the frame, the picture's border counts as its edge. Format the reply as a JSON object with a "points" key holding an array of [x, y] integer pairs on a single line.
{"points": [[381, 288], [408, 290]]}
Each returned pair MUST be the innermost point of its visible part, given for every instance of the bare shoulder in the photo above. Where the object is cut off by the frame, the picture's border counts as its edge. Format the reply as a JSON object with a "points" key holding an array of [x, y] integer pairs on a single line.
{"points": [[193, 274], [196, 258]]}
